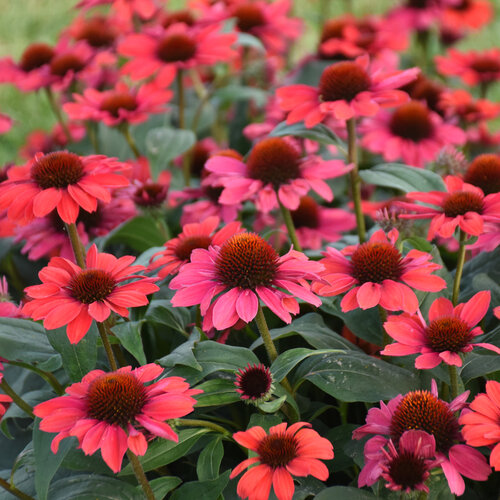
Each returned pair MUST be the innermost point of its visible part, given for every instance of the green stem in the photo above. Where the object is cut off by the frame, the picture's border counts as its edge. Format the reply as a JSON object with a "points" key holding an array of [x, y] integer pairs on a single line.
{"points": [[13, 490], [107, 346], [386, 339], [125, 130], [191, 422], [186, 160], [47, 376], [16, 398], [460, 267], [78, 249], [141, 476], [287, 216], [265, 334], [57, 112], [453, 381], [352, 157], [91, 132]]}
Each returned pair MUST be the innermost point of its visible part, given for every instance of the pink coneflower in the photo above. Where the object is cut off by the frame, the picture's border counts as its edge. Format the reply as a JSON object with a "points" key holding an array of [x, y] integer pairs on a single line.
{"points": [[461, 205], [120, 105], [484, 172], [378, 274], [4, 404], [481, 421], [274, 173], [416, 15], [405, 468], [100, 32], [239, 273], [117, 412], [177, 47], [7, 308], [346, 90], [281, 454], [411, 133], [5, 123], [73, 296], [466, 14], [423, 410], [195, 235], [254, 383], [59, 180], [426, 91], [451, 331], [459, 103]]}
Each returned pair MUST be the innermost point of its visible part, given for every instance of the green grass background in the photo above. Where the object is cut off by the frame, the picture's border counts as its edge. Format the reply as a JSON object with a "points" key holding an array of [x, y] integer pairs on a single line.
{"points": [[26, 21]]}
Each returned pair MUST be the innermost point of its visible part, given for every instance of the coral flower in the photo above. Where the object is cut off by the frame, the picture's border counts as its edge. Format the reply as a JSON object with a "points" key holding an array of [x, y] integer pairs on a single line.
{"points": [[481, 421], [346, 90], [179, 46], [468, 14], [178, 250], [484, 172], [239, 273], [59, 180], [461, 205], [117, 412], [450, 331], [378, 274], [411, 133], [73, 296], [460, 103], [120, 105], [281, 454], [274, 174], [423, 410]]}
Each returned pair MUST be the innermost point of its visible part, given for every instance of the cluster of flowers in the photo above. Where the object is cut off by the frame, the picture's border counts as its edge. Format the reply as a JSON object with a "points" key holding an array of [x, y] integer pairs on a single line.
{"points": [[291, 172]]}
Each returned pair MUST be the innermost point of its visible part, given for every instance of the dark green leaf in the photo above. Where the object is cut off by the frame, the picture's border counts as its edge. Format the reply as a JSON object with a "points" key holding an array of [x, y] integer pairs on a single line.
{"points": [[339, 436], [217, 392], [183, 354], [78, 359], [356, 376], [231, 93], [202, 490], [209, 461], [129, 335], [403, 178], [163, 312], [213, 356], [162, 485], [264, 421], [319, 133], [344, 493], [247, 40], [479, 365], [272, 406], [46, 462]]}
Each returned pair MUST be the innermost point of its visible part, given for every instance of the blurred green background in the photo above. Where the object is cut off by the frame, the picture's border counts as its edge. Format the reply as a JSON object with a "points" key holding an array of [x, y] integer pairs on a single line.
{"points": [[26, 21]]}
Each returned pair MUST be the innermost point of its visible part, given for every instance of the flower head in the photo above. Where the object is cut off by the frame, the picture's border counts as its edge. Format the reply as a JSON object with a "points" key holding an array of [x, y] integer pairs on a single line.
{"points": [[254, 383], [377, 273], [484, 172], [461, 205], [346, 89], [70, 295], [451, 331], [116, 411], [7, 308], [280, 454], [481, 421], [424, 410], [239, 273], [59, 180]]}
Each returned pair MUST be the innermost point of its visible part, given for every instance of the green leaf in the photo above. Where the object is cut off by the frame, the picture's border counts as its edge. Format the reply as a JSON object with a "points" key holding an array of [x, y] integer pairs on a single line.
{"points": [[78, 359], [139, 234], [286, 361], [319, 133], [164, 313], [162, 485], [129, 335], [92, 487], [344, 493], [217, 392], [247, 40], [210, 459], [272, 406], [24, 340], [264, 421], [356, 376], [340, 436], [202, 490], [162, 452], [232, 93], [479, 365], [46, 462], [213, 357], [183, 354], [163, 144], [312, 329], [402, 177]]}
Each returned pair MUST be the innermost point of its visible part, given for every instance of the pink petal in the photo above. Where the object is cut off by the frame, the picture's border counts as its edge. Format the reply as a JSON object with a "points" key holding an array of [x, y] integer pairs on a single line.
{"points": [[247, 305], [283, 484], [113, 447], [475, 309], [368, 295]]}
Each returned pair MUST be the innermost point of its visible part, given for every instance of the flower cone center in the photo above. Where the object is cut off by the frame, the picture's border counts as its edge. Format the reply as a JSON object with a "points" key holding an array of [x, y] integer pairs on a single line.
{"points": [[150, 195], [421, 410], [199, 156], [273, 161], [484, 172], [486, 65], [119, 100], [57, 170], [61, 64], [412, 121], [307, 214], [343, 81], [277, 450], [333, 28], [254, 382], [97, 33], [176, 48], [181, 16], [116, 398], [407, 470], [448, 334], [461, 202], [190, 243], [249, 16], [91, 285], [375, 262], [247, 261], [36, 55]]}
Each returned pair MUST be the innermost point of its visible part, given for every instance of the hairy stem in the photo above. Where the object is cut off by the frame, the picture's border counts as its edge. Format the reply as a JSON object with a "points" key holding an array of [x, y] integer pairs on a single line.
{"points": [[287, 216], [16, 398], [57, 112], [265, 334], [125, 130], [191, 422], [107, 346], [460, 267], [13, 490], [47, 376], [76, 244], [453, 381], [141, 476]]}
